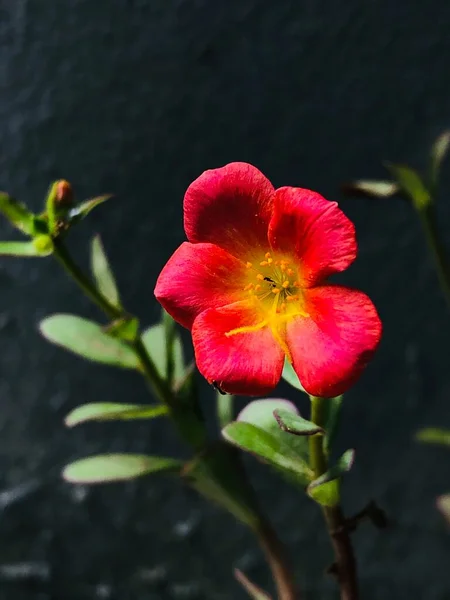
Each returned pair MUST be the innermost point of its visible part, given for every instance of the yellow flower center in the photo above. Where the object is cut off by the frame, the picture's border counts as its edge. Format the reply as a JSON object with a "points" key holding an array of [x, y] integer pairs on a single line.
{"points": [[272, 285]]}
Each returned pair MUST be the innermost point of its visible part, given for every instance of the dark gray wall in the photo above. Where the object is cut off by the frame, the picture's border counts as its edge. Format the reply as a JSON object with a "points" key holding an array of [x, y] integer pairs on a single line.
{"points": [[138, 97]]}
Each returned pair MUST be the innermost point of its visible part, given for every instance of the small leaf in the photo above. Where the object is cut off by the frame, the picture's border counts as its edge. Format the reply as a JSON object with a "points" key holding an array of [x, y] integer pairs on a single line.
{"points": [[295, 424], [18, 249], [82, 210], [88, 339], [106, 468], [17, 214], [125, 328], [325, 489], [443, 504], [110, 411], [291, 377], [270, 448], [154, 340], [218, 476], [261, 414], [434, 435], [371, 187], [438, 153], [253, 590], [411, 184], [103, 274]]}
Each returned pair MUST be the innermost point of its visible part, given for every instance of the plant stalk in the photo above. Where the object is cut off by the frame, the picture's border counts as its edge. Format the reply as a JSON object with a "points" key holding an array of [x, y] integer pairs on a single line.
{"points": [[275, 556], [345, 561]]}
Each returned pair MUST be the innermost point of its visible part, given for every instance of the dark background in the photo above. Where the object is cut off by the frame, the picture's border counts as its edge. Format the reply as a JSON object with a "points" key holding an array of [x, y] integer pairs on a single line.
{"points": [[138, 98]]}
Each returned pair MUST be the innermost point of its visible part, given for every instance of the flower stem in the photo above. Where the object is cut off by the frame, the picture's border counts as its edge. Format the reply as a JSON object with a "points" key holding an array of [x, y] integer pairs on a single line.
{"points": [[275, 556], [427, 215], [345, 564]]}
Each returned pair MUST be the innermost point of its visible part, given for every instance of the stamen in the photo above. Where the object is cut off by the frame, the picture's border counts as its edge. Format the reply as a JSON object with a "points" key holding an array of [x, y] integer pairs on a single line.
{"points": [[260, 277], [264, 263], [270, 261], [257, 287], [249, 286], [286, 284], [275, 290], [248, 265], [267, 254], [290, 272]]}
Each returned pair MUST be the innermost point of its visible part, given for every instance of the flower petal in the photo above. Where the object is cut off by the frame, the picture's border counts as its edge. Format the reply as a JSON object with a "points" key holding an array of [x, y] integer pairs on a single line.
{"points": [[248, 363], [331, 347], [196, 277], [321, 235], [230, 207]]}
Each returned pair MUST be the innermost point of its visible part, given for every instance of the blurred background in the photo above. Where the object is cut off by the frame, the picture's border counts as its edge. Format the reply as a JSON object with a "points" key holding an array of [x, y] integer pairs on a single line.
{"points": [[137, 98]]}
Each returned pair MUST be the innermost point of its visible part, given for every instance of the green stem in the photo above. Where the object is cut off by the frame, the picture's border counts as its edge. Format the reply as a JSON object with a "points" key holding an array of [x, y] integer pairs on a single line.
{"points": [[334, 517], [427, 215]]}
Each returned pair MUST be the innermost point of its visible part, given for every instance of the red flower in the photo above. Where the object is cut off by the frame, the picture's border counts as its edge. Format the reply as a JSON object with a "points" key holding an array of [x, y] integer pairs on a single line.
{"points": [[251, 285]]}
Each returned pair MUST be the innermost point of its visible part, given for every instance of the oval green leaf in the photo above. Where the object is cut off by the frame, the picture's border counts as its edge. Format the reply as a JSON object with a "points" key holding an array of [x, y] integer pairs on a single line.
{"points": [[412, 184], [155, 340], [261, 414], [106, 468], [434, 435], [272, 449], [295, 424], [110, 411], [325, 489], [87, 339], [17, 214], [371, 187], [82, 210], [19, 249], [103, 274]]}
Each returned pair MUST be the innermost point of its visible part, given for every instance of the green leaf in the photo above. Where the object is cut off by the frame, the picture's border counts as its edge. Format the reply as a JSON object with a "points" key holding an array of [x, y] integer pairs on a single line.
{"points": [[110, 411], [218, 476], [437, 155], [88, 339], [412, 184], [291, 377], [295, 424], [371, 187], [105, 468], [434, 435], [102, 272], [126, 328], [270, 448], [325, 489], [252, 589], [17, 214], [261, 414], [82, 210], [154, 340], [443, 503], [18, 249]]}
